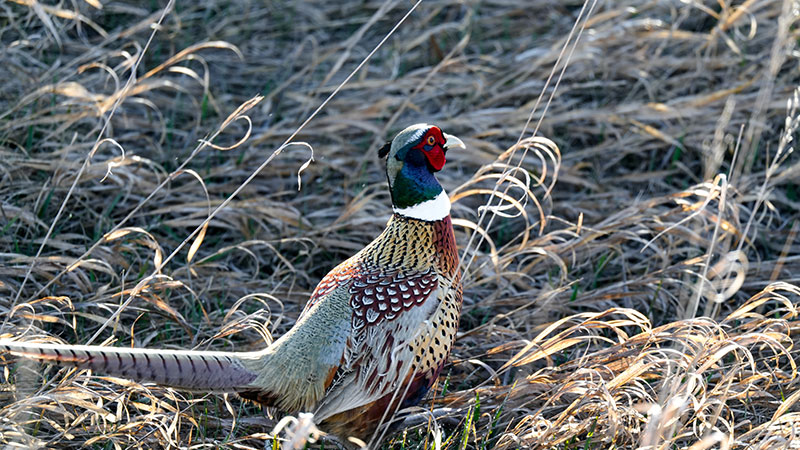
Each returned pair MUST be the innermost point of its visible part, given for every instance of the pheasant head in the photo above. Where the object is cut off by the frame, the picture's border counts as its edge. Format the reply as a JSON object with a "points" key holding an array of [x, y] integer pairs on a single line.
{"points": [[412, 158]]}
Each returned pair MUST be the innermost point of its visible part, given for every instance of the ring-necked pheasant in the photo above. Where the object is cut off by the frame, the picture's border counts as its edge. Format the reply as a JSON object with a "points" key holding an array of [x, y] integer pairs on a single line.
{"points": [[374, 335]]}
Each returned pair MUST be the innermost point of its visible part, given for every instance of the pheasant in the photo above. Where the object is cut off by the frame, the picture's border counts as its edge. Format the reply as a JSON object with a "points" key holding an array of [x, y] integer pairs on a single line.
{"points": [[373, 336]]}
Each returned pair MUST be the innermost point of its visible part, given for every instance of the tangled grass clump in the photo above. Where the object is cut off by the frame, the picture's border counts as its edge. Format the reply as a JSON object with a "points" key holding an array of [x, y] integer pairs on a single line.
{"points": [[630, 270]]}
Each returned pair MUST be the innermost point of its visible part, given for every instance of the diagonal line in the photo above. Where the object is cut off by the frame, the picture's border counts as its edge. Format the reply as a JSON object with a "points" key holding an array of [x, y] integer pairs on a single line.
{"points": [[117, 102], [522, 134], [488, 206], [258, 170]]}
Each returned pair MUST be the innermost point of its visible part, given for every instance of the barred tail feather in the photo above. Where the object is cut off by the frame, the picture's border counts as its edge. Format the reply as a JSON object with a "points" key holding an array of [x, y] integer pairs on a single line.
{"points": [[193, 370]]}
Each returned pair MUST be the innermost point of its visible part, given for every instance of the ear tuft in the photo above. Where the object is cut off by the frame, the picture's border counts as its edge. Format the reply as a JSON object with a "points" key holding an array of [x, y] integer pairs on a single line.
{"points": [[383, 151]]}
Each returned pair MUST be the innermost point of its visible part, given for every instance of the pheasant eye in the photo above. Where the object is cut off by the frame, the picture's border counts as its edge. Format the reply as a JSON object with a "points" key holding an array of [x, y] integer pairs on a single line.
{"points": [[431, 140]]}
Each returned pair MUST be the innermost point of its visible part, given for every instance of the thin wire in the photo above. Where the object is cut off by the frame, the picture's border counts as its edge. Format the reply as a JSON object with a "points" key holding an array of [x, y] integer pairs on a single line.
{"points": [[258, 170], [171, 177], [89, 156], [488, 205]]}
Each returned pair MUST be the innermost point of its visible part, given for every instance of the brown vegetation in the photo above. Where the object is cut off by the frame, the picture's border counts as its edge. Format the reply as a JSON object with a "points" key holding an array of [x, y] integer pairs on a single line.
{"points": [[631, 290]]}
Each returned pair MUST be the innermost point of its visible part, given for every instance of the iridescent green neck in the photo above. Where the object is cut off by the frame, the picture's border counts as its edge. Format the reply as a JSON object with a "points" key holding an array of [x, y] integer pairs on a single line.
{"points": [[414, 185]]}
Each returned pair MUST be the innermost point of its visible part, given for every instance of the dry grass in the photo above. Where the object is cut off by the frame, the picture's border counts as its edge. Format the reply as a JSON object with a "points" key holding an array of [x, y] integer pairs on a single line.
{"points": [[644, 300]]}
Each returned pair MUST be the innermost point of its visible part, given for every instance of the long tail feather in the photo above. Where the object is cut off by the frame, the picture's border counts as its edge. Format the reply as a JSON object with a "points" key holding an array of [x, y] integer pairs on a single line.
{"points": [[193, 370]]}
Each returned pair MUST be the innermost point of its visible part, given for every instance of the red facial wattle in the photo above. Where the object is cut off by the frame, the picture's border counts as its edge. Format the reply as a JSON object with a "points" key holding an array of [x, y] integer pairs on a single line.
{"points": [[436, 158], [432, 146]]}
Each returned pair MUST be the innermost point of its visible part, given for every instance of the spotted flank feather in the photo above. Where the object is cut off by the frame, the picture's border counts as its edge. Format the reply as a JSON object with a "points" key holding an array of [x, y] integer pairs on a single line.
{"points": [[378, 297]]}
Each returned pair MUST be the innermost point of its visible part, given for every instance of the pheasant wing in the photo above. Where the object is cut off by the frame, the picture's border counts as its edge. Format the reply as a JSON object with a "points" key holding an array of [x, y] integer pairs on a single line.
{"points": [[391, 328]]}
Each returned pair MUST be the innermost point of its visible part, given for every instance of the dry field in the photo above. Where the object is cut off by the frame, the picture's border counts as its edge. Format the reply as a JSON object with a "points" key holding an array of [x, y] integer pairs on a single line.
{"points": [[629, 271]]}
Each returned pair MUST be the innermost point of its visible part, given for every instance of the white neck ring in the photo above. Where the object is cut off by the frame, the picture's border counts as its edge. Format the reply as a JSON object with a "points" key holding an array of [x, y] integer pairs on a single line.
{"points": [[431, 210]]}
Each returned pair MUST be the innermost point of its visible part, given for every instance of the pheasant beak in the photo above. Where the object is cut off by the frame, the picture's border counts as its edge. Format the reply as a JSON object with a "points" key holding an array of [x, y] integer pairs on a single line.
{"points": [[452, 141]]}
